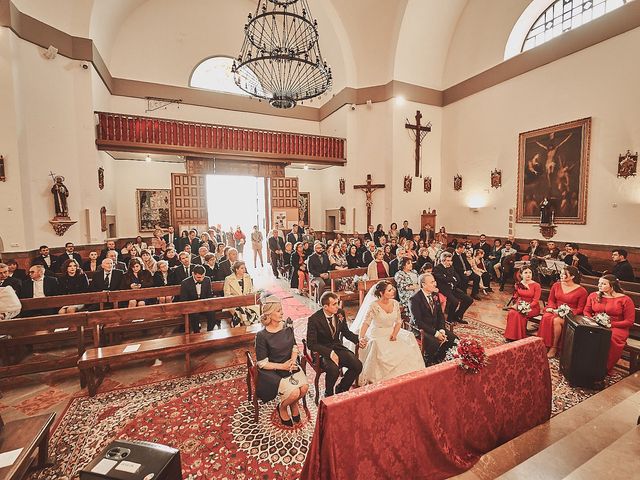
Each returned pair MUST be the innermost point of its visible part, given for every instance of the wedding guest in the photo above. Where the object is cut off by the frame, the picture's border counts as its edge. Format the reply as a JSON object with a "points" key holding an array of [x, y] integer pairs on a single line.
{"points": [[407, 284], [378, 234], [442, 236], [480, 269], [409, 250], [394, 265], [483, 245], [135, 278], [38, 286], [426, 268], [148, 262], [202, 252], [553, 252], [423, 257], [210, 266], [610, 299], [426, 233], [390, 351], [225, 263], [504, 268], [277, 358], [206, 241], [197, 286], [158, 243], [8, 281], [325, 329], [367, 255], [256, 245], [9, 303], [450, 285], [378, 268], [219, 252], [405, 231], [493, 257], [286, 259], [15, 272], [577, 259], [336, 259], [318, 264], [388, 254], [46, 260], [565, 292], [528, 292], [139, 245], [622, 270], [92, 264], [393, 232], [299, 273], [73, 280], [353, 259], [275, 245], [162, 279], [240, 283]]}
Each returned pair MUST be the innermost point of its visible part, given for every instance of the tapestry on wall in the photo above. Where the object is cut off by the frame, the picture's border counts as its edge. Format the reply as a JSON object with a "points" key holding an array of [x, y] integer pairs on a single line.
{"points": [[553, 168], [154, 209], [304, 207]]}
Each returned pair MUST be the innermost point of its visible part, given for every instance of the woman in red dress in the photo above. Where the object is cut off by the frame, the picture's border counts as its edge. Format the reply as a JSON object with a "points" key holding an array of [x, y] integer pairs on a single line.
{"points": [[527, 291], [611, 300], [569, 292]]}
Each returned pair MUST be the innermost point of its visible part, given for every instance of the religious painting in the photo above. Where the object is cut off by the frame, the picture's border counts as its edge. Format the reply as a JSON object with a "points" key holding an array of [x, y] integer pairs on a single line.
{"points": [[154, 208], [427, 184], [457, 183], [407, 183], [103, 219], [343, 186], [304, 207], [280, 220], [627, 165], [496, 178], [3, 177], [553, 167], [101, 178]]}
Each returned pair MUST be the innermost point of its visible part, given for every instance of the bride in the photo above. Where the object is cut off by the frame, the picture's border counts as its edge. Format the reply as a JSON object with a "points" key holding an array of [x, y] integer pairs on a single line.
{"points": [[390, 351]]}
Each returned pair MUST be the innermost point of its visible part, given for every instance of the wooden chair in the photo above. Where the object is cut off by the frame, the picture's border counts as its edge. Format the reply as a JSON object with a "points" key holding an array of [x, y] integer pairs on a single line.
{"points": [[28, 434], [314, 359]]}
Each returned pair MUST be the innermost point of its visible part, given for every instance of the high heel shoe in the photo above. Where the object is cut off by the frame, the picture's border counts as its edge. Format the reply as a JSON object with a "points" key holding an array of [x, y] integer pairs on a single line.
{"points": [[286, 423], [295, 418]]}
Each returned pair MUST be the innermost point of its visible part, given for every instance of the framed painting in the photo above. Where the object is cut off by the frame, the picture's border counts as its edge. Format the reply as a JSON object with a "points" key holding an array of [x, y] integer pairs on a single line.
{"points": [[304, 207], [154, 208], [553, 166]]}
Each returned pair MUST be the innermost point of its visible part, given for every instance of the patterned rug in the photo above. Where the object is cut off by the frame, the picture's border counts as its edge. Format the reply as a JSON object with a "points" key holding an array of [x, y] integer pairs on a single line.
{"points": [[208, 417]]}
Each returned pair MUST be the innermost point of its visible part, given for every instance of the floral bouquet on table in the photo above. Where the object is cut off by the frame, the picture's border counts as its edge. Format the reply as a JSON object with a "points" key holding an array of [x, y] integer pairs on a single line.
{"points": [[563, 310], [469, 354], [602, 319], [523, 307]]}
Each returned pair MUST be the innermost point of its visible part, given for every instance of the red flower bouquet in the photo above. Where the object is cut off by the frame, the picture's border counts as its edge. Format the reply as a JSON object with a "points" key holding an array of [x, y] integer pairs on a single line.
{"points": [[470, 355]]}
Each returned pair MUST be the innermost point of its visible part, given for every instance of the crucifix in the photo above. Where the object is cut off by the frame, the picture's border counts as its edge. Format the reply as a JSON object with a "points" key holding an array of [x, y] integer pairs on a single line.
{"points": [[419, 132], [368, 189]]}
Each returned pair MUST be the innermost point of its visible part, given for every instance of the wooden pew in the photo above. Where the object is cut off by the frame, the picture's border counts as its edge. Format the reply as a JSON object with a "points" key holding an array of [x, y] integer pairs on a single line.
{"points": [[364, 287], [628, 287], [58, 301], [28, 434], [94, 359], [335, 275]]}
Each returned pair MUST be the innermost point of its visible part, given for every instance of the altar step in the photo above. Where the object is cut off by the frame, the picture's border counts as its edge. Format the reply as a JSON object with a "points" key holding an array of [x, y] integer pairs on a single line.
{"points": [[596, 439]]}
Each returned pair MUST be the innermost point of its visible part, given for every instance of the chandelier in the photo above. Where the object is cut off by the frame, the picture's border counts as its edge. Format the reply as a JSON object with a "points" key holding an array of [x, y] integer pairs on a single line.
{"points": [[280, 59]]}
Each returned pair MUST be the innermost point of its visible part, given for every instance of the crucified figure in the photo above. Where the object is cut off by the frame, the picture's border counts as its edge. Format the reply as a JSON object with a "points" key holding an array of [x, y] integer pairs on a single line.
{"points": [[551, 149]]}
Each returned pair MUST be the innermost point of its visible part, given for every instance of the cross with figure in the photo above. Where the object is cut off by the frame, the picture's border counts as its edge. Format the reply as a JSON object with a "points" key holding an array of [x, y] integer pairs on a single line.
{"points": [[368, 189], [419, 132]]}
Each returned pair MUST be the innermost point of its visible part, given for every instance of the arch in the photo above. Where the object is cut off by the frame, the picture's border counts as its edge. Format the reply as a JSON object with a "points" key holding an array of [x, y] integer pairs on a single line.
{"points": [[214, 73]]}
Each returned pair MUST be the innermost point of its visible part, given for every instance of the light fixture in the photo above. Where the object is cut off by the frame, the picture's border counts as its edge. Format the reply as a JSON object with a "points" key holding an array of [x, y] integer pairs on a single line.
{"points": [[400, 101], [147, 158], [280, 59]]}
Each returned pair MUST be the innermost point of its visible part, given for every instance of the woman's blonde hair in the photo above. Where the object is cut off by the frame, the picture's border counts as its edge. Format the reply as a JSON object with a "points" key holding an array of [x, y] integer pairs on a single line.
{"points": [[271, 305]]}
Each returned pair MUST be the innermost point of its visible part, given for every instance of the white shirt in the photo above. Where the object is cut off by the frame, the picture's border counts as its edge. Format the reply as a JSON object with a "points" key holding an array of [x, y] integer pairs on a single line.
{"points": [[198, 289], [38, 288], [47, 260]]}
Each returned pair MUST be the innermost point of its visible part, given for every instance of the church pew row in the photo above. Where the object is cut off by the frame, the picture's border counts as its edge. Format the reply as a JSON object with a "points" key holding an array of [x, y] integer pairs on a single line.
{"points": [[628, 287], [336, 277], [364, 287]]}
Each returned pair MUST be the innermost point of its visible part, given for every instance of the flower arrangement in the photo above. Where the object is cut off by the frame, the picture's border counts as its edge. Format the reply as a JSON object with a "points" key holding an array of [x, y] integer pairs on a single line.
{"points": [[602, 319], [523, 307], [470, 355], [563, 310]]}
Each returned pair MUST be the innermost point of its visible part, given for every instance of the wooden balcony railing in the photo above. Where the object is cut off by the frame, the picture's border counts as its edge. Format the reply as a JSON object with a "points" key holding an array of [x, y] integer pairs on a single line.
{"points": [[157, 135]]}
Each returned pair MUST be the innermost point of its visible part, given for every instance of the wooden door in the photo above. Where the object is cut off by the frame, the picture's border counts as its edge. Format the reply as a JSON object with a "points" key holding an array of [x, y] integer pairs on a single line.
{"points": [[284, 202], [189, 205]]}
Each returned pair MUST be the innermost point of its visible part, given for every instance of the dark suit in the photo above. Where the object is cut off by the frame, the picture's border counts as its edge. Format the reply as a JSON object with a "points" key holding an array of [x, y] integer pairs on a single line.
{"points": [[294, 237], [50, 288], [20, 274], [582, 263], [49, 269], [393, 267], [430, 318], [103, 254], [188, 293], [406, 233], [14, 283], [367, 258], [484, 247], [98, 283], [460, 265], [168, 240], [64, 257], [223, 269], [368, 237], [159, 279], [178, 274], [624, 271], [320, 339], [274, 244], [317, 265], [449, 285]]}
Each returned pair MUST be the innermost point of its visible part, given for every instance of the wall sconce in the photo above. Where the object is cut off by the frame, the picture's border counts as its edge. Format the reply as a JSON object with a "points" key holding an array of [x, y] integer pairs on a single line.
{"points": [[474, 209]]}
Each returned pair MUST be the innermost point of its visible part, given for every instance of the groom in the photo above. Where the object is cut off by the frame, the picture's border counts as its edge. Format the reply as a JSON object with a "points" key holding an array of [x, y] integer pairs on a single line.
{"points": [[323, 336]]}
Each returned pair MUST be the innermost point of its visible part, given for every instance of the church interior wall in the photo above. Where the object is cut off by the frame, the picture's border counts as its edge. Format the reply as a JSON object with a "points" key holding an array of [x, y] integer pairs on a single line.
{"points": [[481, 133]]}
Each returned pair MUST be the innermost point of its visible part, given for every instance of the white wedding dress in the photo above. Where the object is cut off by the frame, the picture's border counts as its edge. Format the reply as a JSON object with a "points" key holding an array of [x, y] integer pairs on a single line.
{"points": [[383, 358]]}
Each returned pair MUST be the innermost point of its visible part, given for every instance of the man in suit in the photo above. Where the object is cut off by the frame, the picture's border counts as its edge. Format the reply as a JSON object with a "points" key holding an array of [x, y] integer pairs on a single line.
{"points": [[324, 329], [109, 246], [426, 314], [202, 252], [225, 264], [295, 235], [275, 244], [182, 271], [15, 272], [483, 245], [393, 264], [113, 256], [369, 236], [39, 286], [9, 303], [8, 281], [552, 251], [622, 269], [171, 257], [450, 286], [318, 265], [535, 252], [46, 260], [169, 237], [463, 268], [577, 259], [194, 241], [197, 287], [405, 231], [69, 254], [107, 277], [367, 256]]}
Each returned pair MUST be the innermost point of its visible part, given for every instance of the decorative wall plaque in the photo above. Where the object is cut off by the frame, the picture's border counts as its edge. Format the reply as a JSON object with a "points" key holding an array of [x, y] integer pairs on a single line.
{"points": [[407, 183], [101, 178], [627, 165], [342, 186], [427, 184], [457, 182], [496, 178], [103, 219]]}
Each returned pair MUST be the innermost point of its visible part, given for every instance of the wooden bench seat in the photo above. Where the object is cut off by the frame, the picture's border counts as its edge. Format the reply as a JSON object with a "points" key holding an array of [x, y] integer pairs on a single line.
{"points": [[336, 275], [57, 301], [364, 287], [28, 434], [633, 347], [94, 358]]}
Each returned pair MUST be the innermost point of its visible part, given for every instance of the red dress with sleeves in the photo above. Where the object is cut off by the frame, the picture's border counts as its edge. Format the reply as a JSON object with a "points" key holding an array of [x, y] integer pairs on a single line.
{"points": [[622, 314], [516, 321], [575, 299]]}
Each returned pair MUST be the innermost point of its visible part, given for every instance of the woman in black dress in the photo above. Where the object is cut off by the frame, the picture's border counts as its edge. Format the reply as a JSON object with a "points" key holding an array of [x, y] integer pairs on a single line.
{"points": [[352, 257], [73, 280], [134, 278], [279, 372]]}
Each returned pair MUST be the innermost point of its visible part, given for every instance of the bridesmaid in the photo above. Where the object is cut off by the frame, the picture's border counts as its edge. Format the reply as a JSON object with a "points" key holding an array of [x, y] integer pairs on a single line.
{"points": [[568, 291], [528, 291], [611, 300]]}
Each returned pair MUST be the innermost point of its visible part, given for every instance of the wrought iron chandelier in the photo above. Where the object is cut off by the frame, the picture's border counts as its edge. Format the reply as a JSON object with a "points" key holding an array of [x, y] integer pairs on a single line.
{"points": [[280, 59]]}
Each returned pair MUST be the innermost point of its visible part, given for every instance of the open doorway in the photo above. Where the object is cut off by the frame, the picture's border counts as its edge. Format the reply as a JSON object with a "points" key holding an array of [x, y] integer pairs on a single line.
{"points": [[233, 201]]}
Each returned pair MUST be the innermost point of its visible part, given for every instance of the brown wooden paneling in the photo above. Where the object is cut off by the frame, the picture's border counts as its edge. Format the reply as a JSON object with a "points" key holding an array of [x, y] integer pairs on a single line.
{"points": [[189, 199]]}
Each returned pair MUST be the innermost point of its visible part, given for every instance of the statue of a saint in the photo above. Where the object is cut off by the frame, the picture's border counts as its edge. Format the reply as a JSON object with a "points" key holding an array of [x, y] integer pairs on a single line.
{"points": [[546, 212], [60, 194]]}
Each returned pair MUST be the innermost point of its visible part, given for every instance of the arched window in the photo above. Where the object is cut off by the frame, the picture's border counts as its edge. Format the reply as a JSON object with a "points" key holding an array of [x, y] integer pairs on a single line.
{"points": [[215, 74], [543, 20]]}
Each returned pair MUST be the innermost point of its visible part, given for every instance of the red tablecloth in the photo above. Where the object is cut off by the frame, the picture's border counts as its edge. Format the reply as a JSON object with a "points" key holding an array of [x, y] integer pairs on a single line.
{"points": [[434, 423]]}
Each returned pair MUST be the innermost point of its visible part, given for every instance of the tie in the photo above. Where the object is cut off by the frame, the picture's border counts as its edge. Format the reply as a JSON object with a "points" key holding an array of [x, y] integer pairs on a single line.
{"points": [[186, 270], [107, 279], [332, 327]]}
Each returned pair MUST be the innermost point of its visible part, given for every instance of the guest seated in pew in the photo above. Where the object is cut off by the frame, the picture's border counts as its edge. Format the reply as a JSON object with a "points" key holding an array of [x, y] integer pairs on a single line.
{"points": [[113, 256], [46, 260], [378, 268], [390, 350], [449, 284], [8, 281], [72, 281], [39, 286], [15, 272], [552, 251], [182, 271], [493, 257], [9, 303], [277, 355], [505, 267], [135, 278], [224, 265], [202, 252], [197, 287], [325, 330], [68, 254], [610, 299], [148, 262], [240, 283], [158, 243], [577, 259], [535, 253], [107, 278], [565, 292], [127, 252], [336, 259], [211, 266], [388, 254], [319, 267], [367, 255], [427, 314], [220, 251], [622, 269], [92, 264], [275, 248], [480, 269], [285, 264], [410, 250], [423, 257], [462, 266], [171, 256], [426, 268], [299, 271], [162, 278], [394, 265], [407, 284], [109, 245], [353, 260], [528, 292]]}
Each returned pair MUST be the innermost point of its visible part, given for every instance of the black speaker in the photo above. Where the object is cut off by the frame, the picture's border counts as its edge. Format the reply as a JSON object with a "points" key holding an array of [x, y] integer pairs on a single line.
{"points": [[135, 460], [585, 349]]}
